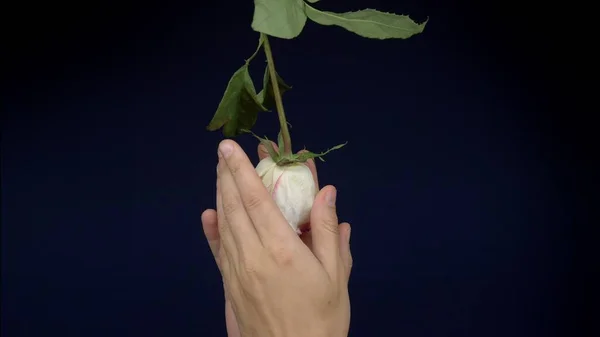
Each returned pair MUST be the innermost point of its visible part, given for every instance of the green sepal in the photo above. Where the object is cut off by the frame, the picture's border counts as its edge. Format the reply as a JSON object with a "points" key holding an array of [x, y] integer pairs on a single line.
{"points": [[304, 156], [267, 144]]}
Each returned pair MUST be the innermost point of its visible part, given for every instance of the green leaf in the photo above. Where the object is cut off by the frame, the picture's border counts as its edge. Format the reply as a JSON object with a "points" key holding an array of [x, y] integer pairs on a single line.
{"points": [[266, 96], [284, 19], [369, 23], [304, 156], [239, 106]]}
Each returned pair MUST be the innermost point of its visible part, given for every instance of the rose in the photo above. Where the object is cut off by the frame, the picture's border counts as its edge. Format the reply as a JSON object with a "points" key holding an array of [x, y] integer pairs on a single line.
{"points": [[293, 189]]}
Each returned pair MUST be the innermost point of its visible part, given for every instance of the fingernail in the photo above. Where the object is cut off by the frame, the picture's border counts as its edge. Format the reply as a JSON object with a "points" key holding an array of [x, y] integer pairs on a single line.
{"points": [[330, 197], [349, 232], [225, 149]]}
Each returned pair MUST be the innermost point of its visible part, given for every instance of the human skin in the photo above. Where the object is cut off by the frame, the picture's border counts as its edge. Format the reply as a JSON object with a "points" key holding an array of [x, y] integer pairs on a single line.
{"points": [[276, 283]]}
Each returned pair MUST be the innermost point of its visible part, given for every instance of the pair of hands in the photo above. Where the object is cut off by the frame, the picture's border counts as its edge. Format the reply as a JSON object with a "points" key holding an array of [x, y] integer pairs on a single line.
{"points": [[276, 283]]}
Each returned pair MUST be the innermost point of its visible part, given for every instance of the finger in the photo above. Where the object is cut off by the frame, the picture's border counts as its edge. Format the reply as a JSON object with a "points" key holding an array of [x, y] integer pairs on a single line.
{"points": [[345, 253], [211, 231], [325, 229], [239, 225], [227, 250], [262, 150], [258, 203]]}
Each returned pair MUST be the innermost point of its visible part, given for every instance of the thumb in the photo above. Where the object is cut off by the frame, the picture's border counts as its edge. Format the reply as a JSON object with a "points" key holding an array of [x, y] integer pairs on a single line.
{"points": [[325, 229]]}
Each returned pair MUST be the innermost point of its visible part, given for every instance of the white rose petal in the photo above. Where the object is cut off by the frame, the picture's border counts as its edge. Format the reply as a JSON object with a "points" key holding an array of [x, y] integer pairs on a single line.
{"points": [[292, 187]]}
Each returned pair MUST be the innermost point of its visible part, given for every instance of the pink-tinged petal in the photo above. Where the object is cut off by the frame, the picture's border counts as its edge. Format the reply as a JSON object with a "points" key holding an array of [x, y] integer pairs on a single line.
{"points": [[292, 188]]}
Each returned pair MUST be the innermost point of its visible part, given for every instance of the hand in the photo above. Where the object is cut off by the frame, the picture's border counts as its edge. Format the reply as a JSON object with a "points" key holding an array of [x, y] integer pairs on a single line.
{"points": [[209, 224], [275, 284]]}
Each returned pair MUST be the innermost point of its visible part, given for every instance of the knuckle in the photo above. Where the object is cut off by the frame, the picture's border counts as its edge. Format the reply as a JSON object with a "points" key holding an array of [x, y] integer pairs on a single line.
{"points": [[230, 206], [282, 255], [330, 224], [222, 226], [234, 166], [253, 201]]}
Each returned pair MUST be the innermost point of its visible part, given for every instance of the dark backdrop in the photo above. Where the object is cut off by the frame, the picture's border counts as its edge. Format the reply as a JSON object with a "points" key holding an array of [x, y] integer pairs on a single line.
{"points": [[459, 178]]}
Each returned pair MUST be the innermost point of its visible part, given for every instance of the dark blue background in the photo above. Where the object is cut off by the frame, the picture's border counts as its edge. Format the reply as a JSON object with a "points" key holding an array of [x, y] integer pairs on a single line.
{"points": [[459, 181]]}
